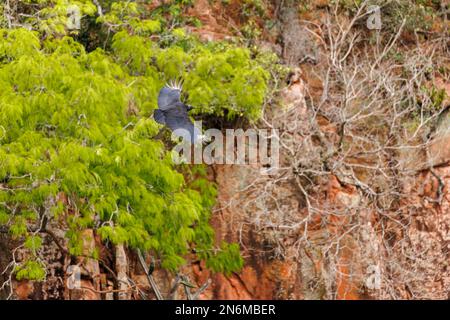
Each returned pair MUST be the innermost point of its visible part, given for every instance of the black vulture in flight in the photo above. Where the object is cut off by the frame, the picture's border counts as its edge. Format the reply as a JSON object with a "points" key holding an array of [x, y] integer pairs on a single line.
{"points": [[173, 113]]}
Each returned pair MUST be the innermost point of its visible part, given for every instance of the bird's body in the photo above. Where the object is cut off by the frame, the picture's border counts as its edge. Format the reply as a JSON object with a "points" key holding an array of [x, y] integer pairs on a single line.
{"points": [[173, 113]]}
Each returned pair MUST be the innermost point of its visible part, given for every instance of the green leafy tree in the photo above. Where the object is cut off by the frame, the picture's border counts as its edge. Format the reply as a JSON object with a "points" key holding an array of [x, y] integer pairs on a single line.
{"points": [[77, 138]]}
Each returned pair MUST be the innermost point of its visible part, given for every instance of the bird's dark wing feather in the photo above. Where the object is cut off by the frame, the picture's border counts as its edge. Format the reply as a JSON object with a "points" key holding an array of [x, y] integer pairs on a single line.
{"points": [[178, 120], [159, 117], [168, 98]]}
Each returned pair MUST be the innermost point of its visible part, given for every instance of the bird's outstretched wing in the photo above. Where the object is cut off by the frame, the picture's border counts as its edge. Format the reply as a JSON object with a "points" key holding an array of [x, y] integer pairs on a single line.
{"points": [[178, 121], [169, 95]]}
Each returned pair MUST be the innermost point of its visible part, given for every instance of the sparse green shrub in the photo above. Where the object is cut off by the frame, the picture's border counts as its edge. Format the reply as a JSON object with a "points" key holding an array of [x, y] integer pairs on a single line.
{"points": [[418, 14]]}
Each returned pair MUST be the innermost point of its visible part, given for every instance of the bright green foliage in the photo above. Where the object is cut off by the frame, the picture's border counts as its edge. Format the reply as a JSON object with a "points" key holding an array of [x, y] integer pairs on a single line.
{"points": [[32, 270], [33, 243], [228, 258], [51, 16], [67, 129], [227, 80], [77, 138], [123, 14]]}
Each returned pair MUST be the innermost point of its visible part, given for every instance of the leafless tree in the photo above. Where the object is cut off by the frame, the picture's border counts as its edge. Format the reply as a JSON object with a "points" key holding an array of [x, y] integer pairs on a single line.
{"points": [[351, 154]]}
